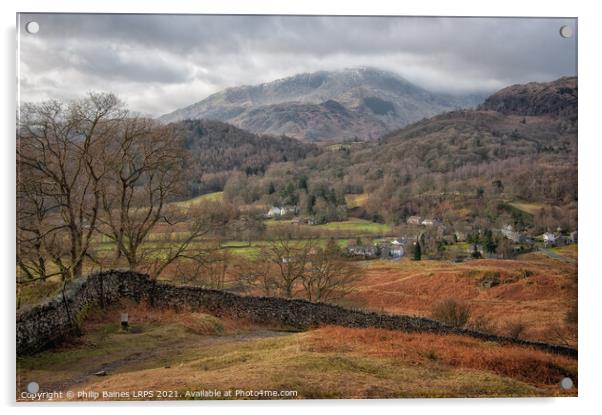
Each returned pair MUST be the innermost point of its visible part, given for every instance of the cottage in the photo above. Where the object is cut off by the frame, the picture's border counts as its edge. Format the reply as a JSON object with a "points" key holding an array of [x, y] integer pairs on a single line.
{"points": [[507, 230], [562, 240], [517, 237], [549, 239], [414, 220], [429, 222], [276, 211], [460, 236], [397, 251], [369, 251]]}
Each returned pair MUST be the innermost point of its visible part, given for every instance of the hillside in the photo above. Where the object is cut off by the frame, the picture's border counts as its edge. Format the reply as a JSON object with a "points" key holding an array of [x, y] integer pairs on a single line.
{"points": [[181, 349], [360, 102], [183, 352], [327, 120], [216, 149], [457, 165], [546, 98]]}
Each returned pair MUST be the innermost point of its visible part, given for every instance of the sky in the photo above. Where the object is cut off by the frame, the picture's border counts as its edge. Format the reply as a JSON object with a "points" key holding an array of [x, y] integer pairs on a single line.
{"points": [[159, 63]]}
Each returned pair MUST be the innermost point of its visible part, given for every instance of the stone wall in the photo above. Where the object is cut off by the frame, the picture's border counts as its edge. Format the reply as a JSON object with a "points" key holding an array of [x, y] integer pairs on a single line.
{"points": [[40, 326]]}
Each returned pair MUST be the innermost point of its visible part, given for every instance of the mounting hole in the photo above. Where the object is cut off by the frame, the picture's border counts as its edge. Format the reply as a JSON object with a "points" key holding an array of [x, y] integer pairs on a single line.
{"points": [[32, 27], [33, 387], [566, 32], [566, 383]]}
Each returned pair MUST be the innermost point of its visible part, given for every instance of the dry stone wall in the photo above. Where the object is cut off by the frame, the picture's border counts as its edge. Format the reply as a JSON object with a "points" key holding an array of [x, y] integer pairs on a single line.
{"points": [[40, 326]]}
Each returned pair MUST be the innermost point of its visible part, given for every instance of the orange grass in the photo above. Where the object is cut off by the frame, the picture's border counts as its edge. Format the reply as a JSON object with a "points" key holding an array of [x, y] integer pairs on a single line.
{"points": [[537, 292], [521, 363]]}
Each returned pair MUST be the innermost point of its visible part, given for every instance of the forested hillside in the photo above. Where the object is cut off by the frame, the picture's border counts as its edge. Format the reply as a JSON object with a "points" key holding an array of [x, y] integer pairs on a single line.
{"points": [[458, 166], [215, 149]]}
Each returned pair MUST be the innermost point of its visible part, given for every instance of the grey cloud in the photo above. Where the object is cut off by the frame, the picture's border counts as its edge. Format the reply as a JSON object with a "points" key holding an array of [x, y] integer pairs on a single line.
{"points": [[165, 61]]}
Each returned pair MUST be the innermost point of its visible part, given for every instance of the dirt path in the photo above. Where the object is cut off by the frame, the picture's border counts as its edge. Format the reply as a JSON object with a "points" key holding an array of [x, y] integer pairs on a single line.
{"points": [[551, 254], [166, 350]]}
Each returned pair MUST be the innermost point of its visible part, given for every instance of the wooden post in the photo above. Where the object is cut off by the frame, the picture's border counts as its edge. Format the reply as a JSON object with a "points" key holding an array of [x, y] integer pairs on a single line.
{"points": [[124, 321]]}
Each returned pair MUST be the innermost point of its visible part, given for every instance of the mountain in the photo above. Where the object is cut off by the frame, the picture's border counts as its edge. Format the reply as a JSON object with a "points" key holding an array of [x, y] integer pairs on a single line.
{"points": [[349, 103], [558, 97], [461, 166]]}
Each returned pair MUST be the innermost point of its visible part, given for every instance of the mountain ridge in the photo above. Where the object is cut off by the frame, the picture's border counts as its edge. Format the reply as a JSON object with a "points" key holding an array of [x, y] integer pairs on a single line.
{"points": [[377, 101]]}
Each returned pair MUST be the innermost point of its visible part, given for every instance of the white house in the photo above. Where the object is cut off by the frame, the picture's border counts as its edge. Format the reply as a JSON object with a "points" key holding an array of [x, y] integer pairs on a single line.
{"points": [[509, 232], [549, 239], [276, 211], [397, 251], [414, 220]]}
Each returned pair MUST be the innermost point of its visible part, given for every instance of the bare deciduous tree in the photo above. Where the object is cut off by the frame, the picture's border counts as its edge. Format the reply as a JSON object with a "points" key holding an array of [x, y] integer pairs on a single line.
{"points": [[290, 262], [202, 224], [329, 275], [145, 173], [61, 150]]}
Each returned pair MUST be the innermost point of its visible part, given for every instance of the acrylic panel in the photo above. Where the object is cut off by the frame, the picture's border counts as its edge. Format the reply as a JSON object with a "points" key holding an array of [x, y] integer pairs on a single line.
{"points": [[225, 207]]}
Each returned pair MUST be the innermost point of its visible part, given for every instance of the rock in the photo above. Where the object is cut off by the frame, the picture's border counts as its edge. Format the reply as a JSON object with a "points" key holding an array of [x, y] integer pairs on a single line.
{"points": [[101, 373], [490, 280]]}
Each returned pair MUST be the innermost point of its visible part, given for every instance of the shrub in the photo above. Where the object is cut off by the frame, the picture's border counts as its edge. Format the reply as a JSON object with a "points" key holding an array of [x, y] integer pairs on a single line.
{"points": [[451, 312], [483, 325], [515, 329]]}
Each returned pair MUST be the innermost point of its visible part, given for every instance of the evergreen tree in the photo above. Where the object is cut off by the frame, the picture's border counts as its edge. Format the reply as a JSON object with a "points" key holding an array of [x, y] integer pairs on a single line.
{"points": [[488, 242], [417, 252]]}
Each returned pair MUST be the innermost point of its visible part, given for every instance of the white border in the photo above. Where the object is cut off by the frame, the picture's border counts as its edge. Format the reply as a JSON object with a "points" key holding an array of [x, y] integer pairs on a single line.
{"points": [[589, 205]]}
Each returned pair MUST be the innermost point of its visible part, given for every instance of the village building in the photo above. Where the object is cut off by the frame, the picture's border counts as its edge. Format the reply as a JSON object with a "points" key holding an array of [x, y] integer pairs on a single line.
{"points": [[276, 211], [368, 251], [549, 239], [280, 211], [391, 251], [460, 236], [429, 222], [414, 220], [509, 233]]}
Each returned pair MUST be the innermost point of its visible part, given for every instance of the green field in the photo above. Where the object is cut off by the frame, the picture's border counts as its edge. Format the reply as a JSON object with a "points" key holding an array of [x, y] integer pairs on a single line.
{"points": [[361, 226], [356, 200], [530, 208], [208, 197], [242, 248]]}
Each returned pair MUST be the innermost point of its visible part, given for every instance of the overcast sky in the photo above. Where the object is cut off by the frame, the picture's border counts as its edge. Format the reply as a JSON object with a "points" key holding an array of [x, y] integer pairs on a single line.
{"points": [[159, 63]]}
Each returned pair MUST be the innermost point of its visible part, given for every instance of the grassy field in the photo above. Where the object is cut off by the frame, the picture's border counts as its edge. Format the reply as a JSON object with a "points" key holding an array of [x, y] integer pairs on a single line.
{"points": [[570, 251], [179, 352], [209, 197], [243, 248], [357, 200], [535, 291], [359, 226], [530, 208]]}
